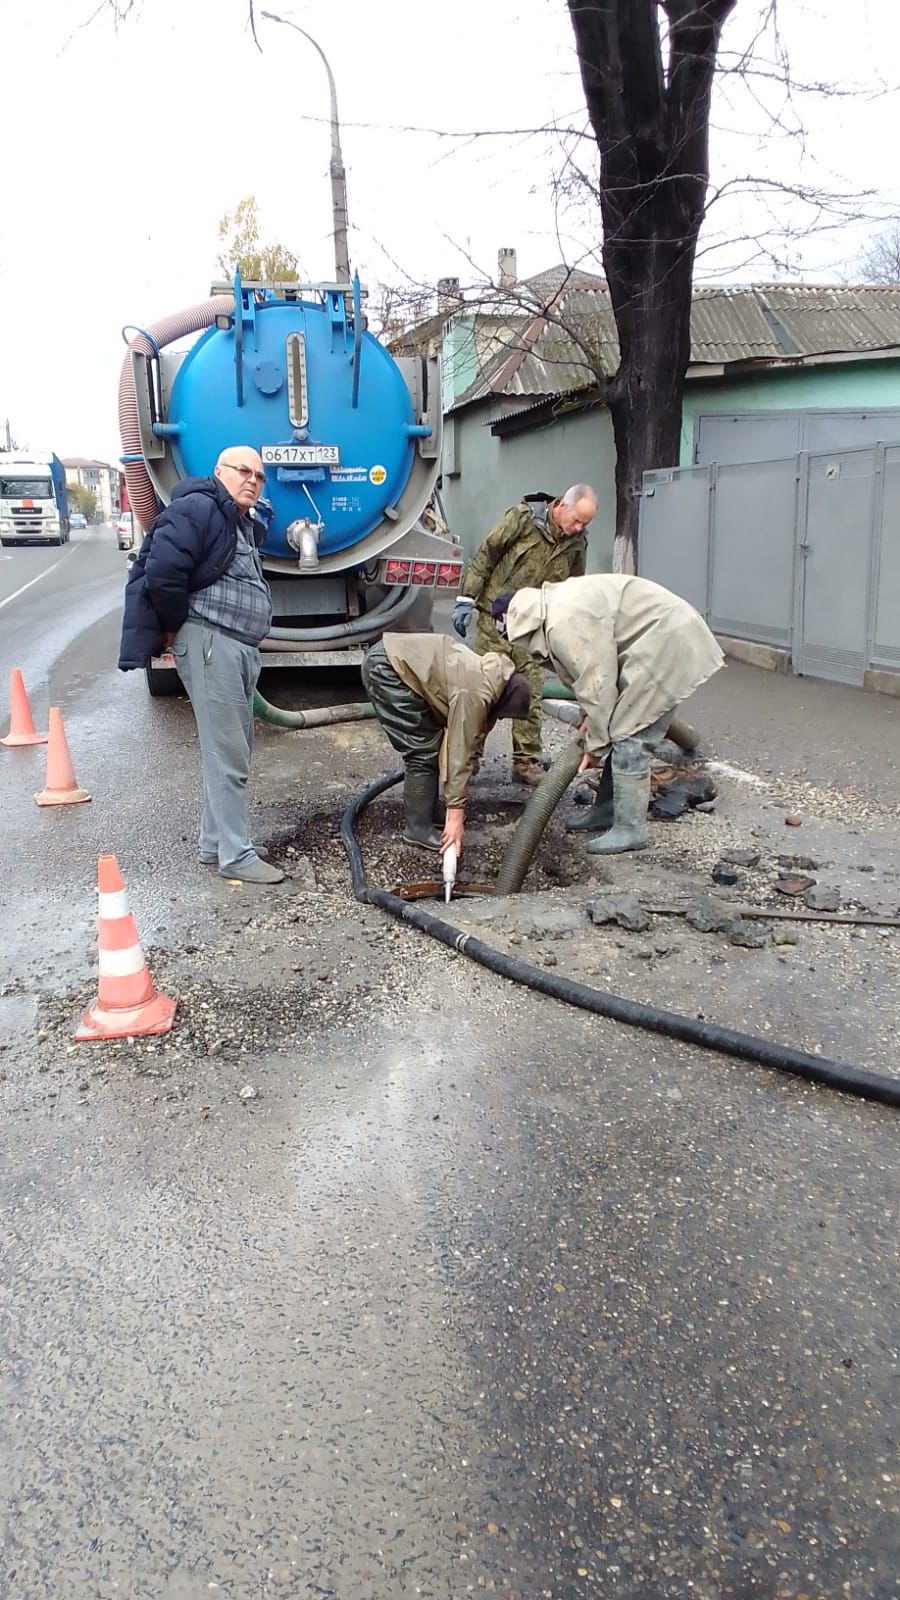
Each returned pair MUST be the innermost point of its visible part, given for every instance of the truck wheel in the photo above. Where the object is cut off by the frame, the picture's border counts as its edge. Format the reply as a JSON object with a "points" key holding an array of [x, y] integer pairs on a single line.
{"points": [[162, 681]]}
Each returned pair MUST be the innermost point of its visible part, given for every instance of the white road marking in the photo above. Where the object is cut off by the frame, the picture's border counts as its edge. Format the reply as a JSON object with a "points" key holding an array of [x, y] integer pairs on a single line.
{"points": [[737, 773], [32, 581]]}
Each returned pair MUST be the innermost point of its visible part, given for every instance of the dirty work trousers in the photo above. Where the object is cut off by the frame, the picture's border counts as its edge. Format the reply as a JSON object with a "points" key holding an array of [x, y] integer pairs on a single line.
{"points": [[220, 676], [526, 733], [629, 755], [406, 718]]}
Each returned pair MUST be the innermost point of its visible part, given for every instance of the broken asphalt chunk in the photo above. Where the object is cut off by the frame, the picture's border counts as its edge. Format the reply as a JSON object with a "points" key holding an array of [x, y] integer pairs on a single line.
{"points": [[623, 909]]}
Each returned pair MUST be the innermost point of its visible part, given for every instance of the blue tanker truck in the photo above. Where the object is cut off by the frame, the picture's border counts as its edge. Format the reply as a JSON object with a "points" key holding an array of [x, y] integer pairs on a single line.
{"points": [[350, 438]]}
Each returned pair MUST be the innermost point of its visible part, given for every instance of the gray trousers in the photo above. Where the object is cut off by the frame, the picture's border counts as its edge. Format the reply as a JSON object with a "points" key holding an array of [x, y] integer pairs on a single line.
{"points": [[220, 675]]}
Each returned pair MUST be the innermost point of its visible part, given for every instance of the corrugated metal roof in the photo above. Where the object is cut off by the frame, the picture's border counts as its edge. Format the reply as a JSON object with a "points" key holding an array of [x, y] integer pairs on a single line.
{"points": [[730, 325], [826, 320], [770, 322], [554, 279], [555, 365]]}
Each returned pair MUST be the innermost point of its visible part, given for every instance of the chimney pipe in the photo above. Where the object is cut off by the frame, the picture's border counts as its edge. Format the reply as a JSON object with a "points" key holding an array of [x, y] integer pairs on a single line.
{"points": [[447, 293], [507, 269]]}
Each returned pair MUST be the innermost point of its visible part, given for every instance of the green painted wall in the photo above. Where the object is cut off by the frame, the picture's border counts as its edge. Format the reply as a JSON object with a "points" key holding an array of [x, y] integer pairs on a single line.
{"points": [[859, 385], [459, 365], [495, 473]]}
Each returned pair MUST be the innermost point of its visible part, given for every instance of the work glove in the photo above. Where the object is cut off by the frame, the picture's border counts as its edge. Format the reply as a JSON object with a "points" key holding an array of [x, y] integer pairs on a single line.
{"points": [[462, 616]]}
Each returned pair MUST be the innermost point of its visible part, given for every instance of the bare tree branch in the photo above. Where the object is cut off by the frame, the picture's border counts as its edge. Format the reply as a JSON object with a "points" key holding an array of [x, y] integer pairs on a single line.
{"points": [[881, 262], [251, 19], [120, 10]]}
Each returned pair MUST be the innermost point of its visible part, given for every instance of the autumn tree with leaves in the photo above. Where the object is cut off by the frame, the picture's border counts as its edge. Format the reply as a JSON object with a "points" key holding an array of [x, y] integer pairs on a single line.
{"points": [[84, 499], [242, 251]]}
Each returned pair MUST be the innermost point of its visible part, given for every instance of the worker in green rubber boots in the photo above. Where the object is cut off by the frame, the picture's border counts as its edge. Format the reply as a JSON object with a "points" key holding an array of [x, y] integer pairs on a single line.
{"points": [[540, 540], [631, 652], [437, 701]]}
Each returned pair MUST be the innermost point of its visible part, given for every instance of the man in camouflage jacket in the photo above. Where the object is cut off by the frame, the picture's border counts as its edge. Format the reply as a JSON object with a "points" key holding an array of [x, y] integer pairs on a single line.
{"points": [[540, 540]]}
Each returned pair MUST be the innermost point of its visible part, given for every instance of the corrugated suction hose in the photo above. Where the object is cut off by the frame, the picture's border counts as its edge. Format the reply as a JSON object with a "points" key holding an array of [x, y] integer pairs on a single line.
{"points": [[193, 319], [535, 817]]}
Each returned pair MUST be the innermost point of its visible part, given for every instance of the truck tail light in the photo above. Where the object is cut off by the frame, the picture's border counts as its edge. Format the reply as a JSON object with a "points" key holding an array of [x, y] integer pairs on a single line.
{"points": [[430, 574]]}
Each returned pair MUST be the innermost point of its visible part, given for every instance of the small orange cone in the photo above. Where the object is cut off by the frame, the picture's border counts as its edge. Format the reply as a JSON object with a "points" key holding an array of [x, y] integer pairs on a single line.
{"points": [[127, 1003], [21, 725], [62, 785]]}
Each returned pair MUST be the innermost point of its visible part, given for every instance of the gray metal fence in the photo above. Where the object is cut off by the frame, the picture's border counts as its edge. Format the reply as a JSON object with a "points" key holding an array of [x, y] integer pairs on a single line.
{"points": [[802, 553]]}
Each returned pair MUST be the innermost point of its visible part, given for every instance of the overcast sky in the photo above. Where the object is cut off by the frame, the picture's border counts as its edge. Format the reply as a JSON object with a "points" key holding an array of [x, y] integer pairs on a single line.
{"points": [[122, 146]]}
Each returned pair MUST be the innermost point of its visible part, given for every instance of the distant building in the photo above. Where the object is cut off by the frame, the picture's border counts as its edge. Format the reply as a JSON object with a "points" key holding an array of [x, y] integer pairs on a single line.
{"points": [[100, 478]]}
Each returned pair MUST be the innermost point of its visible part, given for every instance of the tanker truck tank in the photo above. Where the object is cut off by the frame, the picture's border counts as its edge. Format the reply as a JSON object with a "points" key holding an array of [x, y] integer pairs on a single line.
{"points": [[350, 439]]}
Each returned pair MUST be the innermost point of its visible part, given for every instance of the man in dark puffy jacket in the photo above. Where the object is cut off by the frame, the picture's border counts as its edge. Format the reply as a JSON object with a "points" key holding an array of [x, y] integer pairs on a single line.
{"points": [[197, 586]]}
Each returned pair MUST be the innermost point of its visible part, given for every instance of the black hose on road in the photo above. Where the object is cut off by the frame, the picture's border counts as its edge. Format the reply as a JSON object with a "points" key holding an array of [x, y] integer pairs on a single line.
{"points": [[744, 1046]]}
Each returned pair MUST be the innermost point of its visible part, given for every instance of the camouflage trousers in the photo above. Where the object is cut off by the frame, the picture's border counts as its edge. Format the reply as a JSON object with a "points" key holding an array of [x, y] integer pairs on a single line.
{"points": [[526, 733]]}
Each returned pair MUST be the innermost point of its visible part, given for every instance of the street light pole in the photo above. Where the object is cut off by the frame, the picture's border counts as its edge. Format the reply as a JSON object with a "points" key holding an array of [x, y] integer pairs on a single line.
{"points": [[336, 168]]}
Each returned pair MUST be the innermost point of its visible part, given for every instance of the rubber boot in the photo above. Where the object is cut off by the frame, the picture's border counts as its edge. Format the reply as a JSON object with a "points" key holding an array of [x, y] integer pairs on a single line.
{"points": [[598, 817], [420, 794], [631, 797]]}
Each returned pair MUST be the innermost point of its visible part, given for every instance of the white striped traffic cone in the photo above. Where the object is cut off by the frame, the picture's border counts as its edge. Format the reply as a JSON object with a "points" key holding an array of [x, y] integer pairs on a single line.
{"points": [[127, 1002]]}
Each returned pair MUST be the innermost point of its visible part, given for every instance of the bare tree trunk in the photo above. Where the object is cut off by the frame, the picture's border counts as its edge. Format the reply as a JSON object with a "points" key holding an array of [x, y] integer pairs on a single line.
{"points": [[645, 395], [652, 124]]}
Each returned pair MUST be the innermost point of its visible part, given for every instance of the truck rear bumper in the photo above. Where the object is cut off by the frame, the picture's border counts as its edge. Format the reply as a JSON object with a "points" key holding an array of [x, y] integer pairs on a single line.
{"points": [[353, 657]]}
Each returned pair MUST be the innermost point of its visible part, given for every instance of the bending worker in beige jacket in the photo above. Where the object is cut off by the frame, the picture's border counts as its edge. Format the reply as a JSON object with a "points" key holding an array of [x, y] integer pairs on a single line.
{"points": [[436, 701], [541, 540], [630, 651]]}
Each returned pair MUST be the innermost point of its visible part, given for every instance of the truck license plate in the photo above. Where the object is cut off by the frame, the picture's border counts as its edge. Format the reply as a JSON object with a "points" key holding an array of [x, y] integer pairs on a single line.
{"points": [[301, 455]]}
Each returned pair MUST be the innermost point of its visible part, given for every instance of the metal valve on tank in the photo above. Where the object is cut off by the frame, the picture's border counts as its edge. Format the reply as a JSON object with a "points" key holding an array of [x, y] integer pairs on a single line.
{"points": [[303, 536]]}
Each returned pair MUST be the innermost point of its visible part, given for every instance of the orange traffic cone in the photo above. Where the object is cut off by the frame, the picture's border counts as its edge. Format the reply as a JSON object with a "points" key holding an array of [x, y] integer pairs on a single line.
{"points": [[21, 726], [127, 1002], [62, 785]]}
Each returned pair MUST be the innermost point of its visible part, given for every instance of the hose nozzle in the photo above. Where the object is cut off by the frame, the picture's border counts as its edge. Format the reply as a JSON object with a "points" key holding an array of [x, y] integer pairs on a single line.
{"points": [[449, 861]]}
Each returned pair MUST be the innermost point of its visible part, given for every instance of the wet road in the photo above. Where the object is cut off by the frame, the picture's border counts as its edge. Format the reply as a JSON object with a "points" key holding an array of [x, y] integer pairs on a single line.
{"points": [[475, 1295]]}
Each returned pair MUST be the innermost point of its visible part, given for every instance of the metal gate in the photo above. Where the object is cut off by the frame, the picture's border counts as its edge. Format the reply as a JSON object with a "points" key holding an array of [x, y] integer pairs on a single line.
{"points": [[802, 553], [740, 436]]}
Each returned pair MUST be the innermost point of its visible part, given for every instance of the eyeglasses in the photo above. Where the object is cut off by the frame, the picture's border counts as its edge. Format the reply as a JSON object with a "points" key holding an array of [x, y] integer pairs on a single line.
{"points": [[245, 472]]}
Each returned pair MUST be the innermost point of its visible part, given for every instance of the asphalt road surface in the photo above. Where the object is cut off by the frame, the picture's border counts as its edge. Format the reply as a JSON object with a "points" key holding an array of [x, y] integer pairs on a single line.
{"points": [[470, 1295]]}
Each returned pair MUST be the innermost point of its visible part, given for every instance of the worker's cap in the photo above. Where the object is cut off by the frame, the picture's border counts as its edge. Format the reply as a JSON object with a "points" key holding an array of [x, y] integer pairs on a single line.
{"points": [[515, 699]]}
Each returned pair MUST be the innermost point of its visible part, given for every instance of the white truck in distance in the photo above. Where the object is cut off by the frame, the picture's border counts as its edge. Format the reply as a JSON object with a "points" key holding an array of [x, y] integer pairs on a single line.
{"points": [[34, 504]]}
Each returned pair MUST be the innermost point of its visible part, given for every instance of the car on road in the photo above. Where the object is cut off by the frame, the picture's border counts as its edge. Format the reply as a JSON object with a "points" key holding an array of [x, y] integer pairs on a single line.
{"points": [[77, 519], [125, 530]]}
